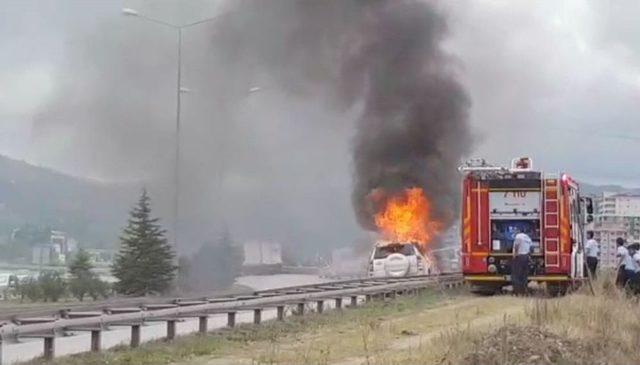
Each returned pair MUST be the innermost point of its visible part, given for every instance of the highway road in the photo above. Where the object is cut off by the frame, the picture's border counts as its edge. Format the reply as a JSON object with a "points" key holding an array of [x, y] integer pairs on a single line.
{"points": [[80, 342]]}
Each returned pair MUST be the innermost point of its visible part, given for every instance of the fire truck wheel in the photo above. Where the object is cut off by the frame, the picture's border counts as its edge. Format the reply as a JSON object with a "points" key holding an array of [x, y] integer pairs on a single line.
{"points": [[556, 289], [487, 290]]}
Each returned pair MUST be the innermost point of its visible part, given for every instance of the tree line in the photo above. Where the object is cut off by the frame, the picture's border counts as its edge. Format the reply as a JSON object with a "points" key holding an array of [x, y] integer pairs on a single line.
{"points": [[50, 286], [145, 264]]}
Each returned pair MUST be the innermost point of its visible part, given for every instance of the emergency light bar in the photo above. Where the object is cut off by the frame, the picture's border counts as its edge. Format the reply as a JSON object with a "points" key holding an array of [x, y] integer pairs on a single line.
{"points": [[480, 164], [521, 164]]}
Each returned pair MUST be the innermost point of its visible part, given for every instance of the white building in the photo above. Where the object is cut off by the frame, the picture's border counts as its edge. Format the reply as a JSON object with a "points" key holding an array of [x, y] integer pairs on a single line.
{"points": [[56, 251], [620, 204], [47, 254], [261, 257], [617, 215]]}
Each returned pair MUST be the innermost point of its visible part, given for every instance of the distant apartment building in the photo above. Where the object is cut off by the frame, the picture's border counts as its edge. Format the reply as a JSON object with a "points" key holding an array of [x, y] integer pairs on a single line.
{"points": [[54, 252], [47, 254], [617, 215], [621, 204]]}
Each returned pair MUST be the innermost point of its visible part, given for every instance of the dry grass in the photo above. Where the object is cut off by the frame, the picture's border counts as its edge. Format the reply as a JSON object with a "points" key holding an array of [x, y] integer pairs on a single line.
{"points": [[582, 328], [576, 329], [453, 332], [299, 340], [360, 336], [434, 329], [377, 335], [608, 322]]}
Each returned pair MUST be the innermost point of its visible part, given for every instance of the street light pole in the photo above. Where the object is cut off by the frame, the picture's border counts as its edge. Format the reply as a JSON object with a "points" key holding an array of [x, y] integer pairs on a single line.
{"points": [[179, 90], [176, 195]]}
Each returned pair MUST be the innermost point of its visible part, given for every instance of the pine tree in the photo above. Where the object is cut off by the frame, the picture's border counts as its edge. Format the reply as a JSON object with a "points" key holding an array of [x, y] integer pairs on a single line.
{"points": [[232, 265], [145, 263], [82, 278], [52, 285], [215, 265], [81, 265]]}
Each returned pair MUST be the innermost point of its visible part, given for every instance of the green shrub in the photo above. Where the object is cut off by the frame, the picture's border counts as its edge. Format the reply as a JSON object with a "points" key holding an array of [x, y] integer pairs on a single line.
{"points": [[52, 285]]}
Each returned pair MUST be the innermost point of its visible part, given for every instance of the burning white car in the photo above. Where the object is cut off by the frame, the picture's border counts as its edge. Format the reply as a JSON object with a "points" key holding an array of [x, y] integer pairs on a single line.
{"points": [[398, 259]]}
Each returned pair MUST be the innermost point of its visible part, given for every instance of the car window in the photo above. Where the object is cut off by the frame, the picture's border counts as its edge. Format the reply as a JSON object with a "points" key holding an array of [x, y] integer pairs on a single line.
{"points": [[384, 251]]}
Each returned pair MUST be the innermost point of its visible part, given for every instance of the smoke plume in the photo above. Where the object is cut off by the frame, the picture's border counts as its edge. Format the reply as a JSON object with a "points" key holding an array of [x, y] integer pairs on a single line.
{"points": [[336, 75], [413, 130], [386, 57]]}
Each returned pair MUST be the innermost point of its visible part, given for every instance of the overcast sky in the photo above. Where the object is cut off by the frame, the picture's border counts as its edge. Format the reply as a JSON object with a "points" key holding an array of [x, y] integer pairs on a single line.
{"points": [[555, 80]]}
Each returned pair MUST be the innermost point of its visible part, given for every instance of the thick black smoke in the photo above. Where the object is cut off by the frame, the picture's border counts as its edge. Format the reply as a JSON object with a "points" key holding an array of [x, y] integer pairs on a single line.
{"points": [[413, 130], [275, 165], [386, 57]]}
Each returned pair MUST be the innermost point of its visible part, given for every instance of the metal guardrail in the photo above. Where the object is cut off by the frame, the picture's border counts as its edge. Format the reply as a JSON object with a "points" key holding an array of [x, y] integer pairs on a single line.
{"points": [[9, 314], [47, 327]]}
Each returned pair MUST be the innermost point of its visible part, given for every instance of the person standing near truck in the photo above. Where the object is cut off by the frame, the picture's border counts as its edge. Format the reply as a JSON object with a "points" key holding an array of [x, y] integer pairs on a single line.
{"points": [[634, 283], [592, 251], [632, 267], [621, 254], [520, 264]]}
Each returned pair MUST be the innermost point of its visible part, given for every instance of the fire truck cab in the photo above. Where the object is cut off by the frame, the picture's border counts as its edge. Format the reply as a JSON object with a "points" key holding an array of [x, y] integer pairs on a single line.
{"points": [[497, 202]]}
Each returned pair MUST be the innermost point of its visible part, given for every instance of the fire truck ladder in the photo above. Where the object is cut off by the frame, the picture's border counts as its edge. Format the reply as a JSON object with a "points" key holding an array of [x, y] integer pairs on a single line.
{"points": [[551, 222]]}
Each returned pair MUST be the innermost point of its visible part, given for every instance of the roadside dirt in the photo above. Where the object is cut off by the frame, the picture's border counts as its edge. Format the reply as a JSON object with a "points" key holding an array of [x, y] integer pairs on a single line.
{"points": [[531, 345], [427, 326], [374, 339]]}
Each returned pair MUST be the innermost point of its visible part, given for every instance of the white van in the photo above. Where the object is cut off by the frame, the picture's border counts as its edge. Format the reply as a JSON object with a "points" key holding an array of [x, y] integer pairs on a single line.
{"points": [[395, 259]]}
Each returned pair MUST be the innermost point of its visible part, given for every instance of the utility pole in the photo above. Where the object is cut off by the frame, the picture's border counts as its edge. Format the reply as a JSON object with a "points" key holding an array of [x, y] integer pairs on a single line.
{"points": [[179, 90]]}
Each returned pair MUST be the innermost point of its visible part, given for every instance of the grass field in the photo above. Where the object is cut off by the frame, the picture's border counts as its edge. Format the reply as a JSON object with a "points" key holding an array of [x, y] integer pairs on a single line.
{"points": [[435, 328], [261, 344]]}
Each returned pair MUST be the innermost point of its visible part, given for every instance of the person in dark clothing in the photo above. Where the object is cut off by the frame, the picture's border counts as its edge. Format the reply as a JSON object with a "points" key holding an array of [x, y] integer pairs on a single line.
{"points": [[621, 254], [632, 268]]}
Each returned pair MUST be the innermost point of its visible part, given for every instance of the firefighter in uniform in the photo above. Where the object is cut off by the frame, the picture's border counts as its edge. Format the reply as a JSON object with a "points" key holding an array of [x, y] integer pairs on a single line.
{"points": [[520, 264]]}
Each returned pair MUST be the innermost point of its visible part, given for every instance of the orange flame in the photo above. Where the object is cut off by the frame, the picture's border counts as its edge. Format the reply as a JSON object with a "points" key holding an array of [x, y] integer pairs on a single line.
{"points": [[407, 218]]}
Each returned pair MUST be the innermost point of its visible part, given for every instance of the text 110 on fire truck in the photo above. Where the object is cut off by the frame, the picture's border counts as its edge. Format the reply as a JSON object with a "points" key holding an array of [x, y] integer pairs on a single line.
{"points": [[498, 201]]}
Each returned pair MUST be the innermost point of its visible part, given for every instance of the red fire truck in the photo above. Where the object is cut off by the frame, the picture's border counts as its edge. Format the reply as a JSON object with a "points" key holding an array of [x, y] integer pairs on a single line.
{"points": [[498, 201]]}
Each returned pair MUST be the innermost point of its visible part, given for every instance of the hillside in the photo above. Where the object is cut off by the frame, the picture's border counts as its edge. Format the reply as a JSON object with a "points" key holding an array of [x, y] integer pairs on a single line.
{"points": [[89, 210], [590, 189]]}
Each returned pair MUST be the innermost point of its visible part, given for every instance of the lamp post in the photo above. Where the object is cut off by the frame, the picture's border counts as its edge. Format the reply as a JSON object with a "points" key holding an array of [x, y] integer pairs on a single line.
{"points": [[179, 91]]}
